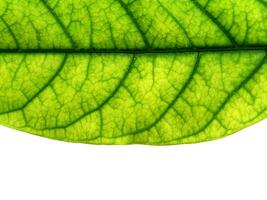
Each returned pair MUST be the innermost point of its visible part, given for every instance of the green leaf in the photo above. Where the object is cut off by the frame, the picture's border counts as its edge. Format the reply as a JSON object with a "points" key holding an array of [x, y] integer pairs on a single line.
{"points": [[133, 71]]}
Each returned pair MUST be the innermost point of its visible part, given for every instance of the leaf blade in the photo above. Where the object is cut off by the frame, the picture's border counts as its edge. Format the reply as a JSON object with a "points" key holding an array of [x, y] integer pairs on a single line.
{"points": [[155, 80]]}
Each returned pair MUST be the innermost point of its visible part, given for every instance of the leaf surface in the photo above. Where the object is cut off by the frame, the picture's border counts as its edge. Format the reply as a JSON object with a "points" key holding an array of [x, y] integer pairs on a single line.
{"points": [[133, 71]]}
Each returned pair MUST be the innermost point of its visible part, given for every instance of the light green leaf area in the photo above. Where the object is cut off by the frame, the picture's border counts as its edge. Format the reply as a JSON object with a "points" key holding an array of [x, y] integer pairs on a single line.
{"points": [[133, 71]]}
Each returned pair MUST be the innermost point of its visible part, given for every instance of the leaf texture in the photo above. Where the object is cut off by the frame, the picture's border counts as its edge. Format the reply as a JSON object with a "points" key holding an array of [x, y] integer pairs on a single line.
{"points": [[133, 71]]}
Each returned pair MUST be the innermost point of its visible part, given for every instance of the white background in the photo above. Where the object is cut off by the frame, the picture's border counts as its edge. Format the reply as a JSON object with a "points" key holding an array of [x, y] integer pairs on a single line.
{"points": [[35, 168]]}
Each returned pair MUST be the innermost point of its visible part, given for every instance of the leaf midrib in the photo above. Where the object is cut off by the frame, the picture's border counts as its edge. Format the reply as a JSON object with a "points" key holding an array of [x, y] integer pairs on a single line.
{"points": [[138, 50]]}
